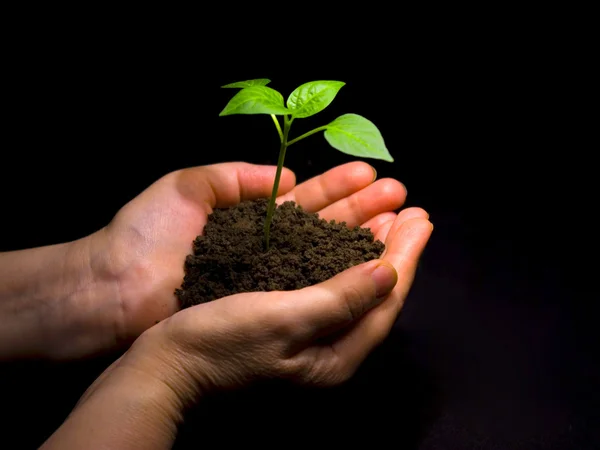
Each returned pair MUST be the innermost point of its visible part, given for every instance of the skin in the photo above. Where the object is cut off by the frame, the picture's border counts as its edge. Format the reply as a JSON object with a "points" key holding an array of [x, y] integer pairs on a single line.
{"points": [[108, 291]]}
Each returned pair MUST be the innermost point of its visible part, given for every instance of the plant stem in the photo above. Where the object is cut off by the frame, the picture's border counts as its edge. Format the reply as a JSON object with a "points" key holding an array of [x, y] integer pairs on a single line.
{"points": [[305, 135], [271, 208], [274, 117]]}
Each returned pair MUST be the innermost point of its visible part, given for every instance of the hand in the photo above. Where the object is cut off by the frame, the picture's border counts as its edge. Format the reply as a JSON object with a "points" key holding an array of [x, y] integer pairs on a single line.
{"points": [[149, 238], [317, 335]]}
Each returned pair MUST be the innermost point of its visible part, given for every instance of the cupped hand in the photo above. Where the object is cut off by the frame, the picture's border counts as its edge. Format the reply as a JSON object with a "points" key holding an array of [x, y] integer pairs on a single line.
{"points": [[318, 335], [149, 238]]}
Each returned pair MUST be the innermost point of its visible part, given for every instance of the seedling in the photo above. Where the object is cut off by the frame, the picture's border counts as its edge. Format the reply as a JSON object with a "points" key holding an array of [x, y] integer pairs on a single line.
{"points": [[349, 133]]}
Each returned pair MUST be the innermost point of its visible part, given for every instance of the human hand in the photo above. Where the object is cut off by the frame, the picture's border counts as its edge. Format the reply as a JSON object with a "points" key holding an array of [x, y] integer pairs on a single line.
{"points": [[146, 243], [317, 335]]}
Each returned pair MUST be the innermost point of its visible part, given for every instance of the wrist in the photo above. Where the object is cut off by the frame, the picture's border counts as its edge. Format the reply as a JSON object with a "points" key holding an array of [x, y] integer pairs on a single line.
{"points": [[154, 354], [55, 303], [94, 297], [127, 407]]}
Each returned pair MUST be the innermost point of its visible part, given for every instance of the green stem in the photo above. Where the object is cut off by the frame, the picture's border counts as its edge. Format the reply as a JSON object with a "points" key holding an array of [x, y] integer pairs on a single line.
{"points": [[305, 135], [271, 208], [274, 117]]}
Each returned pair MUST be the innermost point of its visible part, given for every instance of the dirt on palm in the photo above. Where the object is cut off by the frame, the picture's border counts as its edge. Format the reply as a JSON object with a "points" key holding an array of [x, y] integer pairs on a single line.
{"points": [[229, 257]]}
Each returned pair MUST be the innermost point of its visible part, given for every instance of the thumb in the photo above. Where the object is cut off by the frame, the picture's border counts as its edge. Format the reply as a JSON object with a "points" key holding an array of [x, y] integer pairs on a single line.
{"points": [[332, 305]]}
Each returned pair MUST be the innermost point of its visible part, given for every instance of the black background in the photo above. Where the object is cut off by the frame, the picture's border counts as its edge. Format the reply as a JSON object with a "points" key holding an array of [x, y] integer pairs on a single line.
{"points": [[496, 347]]}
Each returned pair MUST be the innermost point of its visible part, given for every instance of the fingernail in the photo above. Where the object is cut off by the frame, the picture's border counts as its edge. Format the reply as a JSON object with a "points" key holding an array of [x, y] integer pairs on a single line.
{"points": [[374, 173], [385, 278]]}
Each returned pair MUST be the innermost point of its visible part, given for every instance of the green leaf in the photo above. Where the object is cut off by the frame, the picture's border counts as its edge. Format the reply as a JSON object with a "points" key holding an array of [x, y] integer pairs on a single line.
{"points": [[256, 100], [248, 83], [313, 97], [357, 136]]}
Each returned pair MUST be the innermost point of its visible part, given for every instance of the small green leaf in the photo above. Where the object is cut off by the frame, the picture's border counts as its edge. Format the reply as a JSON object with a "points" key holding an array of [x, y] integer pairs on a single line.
{"points": [[256, 100], [357, 136], [248, 83], [313, 97]]}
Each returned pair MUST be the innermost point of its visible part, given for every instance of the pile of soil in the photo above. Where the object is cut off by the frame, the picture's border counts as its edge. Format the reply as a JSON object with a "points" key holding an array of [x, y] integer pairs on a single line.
{"points": [[230, 257]]}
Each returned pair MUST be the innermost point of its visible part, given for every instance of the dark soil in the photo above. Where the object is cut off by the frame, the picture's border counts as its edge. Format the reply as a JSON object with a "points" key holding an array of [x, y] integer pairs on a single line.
{"points": [[229, 257]]}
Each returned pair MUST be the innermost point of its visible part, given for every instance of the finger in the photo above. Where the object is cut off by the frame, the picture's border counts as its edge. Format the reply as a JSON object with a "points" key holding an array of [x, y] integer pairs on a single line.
{"points": [[331, 186], [404, 250], [383, 231], [406, 247], [227, 184], [378, 221], [407, 214], [403, 216], [381, 196], [329, 306]]}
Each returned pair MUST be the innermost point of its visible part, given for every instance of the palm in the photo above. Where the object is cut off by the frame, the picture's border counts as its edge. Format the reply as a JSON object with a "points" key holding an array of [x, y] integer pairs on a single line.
{"points": [[153, 233]]}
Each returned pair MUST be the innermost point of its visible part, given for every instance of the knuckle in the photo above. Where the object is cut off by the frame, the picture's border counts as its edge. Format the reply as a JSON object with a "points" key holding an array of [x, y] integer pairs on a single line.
{"points": [[278, 316], [356, 206], [291, 368], [322, 375], [335, 374], [322, 367], [352, 300]]}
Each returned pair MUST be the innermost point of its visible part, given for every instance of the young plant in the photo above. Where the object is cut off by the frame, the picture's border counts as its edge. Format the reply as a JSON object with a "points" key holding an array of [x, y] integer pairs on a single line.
{"points": [[349, 133]]}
